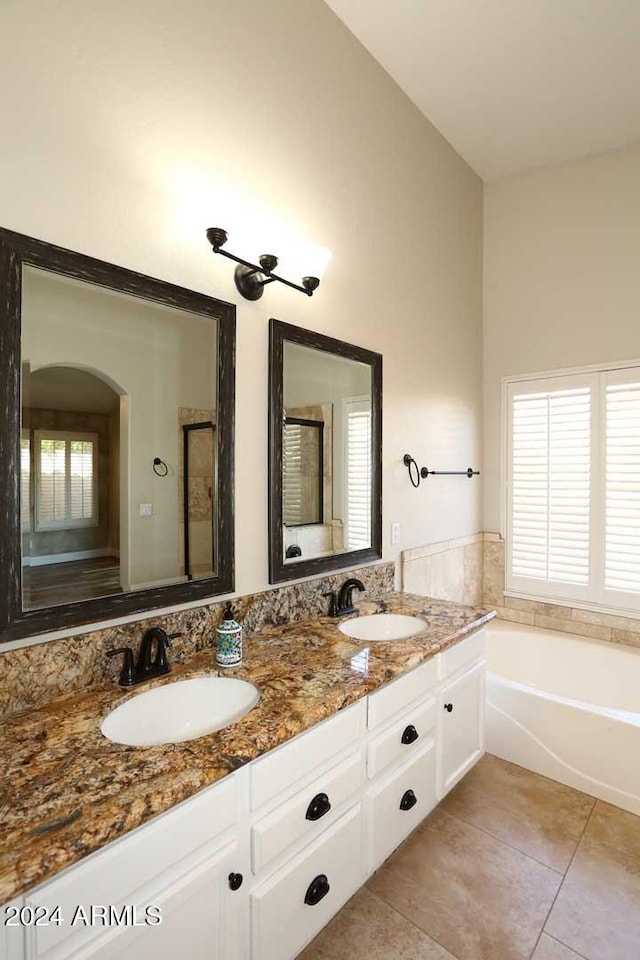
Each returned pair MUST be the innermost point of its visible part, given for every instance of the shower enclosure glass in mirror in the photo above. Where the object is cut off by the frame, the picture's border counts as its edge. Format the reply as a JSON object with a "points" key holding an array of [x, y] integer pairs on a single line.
{"points": [[122, 472], [325, 404]]}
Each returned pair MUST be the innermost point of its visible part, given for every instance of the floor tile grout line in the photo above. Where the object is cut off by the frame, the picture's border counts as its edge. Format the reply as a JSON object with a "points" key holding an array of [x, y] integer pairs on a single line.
{"points": [[542, 930], [506, 843], [580, 956], [408, 919]]}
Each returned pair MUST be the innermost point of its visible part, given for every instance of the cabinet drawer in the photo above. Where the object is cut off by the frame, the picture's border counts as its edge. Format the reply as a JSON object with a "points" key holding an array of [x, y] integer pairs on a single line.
{"points": [[398, 694], [116, 874], [307, 814], [462, 654], [325, 875], [285, 769], [390, 814], [402, 739]]}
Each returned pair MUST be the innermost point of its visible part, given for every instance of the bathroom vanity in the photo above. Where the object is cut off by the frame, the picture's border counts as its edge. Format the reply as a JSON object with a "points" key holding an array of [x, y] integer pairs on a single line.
{"points": [[254, 865]]}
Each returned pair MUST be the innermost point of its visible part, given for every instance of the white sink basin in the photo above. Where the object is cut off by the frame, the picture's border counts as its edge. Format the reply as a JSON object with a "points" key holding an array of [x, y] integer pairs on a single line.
{"points": [[180, 711], [383, 626]]}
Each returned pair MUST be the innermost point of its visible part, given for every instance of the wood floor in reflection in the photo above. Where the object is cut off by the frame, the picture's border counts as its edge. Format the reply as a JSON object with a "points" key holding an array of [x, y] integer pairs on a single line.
{"points": [[56, 583], [510, 866]]}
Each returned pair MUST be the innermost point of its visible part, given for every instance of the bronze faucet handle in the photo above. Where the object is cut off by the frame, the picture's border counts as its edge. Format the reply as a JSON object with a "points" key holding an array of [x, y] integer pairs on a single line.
{"points": [[127, 674]]}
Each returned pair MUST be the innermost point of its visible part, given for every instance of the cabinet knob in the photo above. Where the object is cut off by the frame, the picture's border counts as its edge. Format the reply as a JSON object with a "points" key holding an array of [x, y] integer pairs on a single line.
{"points": [[448, 707], [409, 800], [318, 807], [235, 881], [410, 734], [317, 890]]}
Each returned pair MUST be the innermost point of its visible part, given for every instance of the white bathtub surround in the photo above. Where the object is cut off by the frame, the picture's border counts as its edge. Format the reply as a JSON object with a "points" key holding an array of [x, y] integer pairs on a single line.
{"points": [[566, 708], [550, 616], [449, 570]]}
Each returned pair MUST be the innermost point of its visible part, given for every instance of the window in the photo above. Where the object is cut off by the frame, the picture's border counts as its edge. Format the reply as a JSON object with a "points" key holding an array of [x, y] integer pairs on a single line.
{"points": [[25, 480], [303, 480], [573, 488], [358, 473], [66, 481], [292, 475]]}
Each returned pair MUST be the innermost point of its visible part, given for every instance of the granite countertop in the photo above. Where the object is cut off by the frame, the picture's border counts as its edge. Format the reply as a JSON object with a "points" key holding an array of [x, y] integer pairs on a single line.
{"points": [[67, 791]]}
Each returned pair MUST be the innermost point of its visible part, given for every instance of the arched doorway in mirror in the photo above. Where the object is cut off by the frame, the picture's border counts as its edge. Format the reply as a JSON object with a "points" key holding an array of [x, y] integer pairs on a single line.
{"points": [[73, 461]]}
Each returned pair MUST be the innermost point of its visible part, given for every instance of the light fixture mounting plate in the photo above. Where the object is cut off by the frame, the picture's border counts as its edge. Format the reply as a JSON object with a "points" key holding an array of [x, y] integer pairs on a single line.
{"points": [[249, 282]]}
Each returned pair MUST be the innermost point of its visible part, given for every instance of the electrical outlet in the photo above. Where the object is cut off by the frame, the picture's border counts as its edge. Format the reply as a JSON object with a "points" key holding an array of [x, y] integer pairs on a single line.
{"points": [[395, 533], [146, 509]]}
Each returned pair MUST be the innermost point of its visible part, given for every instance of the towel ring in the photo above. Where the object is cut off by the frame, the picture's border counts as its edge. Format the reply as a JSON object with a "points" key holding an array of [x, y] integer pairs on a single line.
{"points": [[409, 462], [163, 468]]}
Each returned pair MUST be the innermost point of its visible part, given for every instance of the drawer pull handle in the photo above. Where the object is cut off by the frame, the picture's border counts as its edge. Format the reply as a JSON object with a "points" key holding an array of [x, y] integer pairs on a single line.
{"points": [[408, 801], [410, 734], [235, 881], [318, 807], [318, 889], [448, 707]]}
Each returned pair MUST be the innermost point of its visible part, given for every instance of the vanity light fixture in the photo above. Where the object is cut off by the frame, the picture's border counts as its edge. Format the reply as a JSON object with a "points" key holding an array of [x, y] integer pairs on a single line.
{"points": [[251, 278]]}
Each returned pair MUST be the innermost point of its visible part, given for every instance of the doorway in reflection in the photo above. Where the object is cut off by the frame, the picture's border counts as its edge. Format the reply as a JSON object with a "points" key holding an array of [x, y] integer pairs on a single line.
{"points": [[70, 486]]}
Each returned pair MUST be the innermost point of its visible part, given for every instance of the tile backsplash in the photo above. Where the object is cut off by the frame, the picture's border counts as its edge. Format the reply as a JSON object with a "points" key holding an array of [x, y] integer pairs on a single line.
{"points": [[552, 616], [33, 675], [472, 570], [449, 570]]}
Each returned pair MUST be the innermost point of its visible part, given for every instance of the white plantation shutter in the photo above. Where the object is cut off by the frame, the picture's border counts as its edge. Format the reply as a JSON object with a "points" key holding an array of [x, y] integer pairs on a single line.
{"points": [[66, 480], [573, 511], [25, 481], [292, 474], [81, 469], [52, 485], [622, 486], [550, 487], [358, 474]]}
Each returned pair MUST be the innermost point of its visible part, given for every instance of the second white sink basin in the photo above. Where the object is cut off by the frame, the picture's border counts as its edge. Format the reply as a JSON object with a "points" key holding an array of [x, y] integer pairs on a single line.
{"points": [[383, 626], [180, 711]]}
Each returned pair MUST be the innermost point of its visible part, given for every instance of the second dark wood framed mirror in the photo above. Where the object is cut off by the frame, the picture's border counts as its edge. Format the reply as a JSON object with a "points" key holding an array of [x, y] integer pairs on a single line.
{"points": [[117, 394], [325, 453]]}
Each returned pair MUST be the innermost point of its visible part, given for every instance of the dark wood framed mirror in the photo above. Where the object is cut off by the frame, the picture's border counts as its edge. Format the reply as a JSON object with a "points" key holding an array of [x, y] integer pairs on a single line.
{"points": [[325, 453], [117, 397]]}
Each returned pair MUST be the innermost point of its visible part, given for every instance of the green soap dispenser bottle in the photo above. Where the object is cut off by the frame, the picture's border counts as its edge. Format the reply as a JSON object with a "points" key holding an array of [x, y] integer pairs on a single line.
{"points": [[228, 640]]}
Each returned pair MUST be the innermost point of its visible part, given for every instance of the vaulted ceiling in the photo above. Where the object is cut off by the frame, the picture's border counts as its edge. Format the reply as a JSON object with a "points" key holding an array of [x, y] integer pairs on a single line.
{"points": [[511, 84]]}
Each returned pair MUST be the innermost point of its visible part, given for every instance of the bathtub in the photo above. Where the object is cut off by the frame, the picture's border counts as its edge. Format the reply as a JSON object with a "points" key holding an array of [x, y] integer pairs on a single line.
{"points": [[566, 707]]}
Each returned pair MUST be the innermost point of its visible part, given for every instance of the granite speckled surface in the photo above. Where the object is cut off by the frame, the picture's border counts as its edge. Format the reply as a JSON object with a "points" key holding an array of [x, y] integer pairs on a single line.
{"points": [[33, 675], [67, 791]]}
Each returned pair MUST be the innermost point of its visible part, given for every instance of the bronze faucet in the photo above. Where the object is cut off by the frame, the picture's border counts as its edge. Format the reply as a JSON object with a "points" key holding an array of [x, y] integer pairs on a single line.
{"points": [[147, 667]]}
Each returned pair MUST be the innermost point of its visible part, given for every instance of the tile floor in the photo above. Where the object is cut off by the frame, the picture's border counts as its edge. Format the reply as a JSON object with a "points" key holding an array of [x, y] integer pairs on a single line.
{"points": [[510, 866]]}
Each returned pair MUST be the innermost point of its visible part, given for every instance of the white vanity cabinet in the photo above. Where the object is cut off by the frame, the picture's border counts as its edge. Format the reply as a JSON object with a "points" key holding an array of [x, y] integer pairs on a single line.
{"points": [[304, 826]]}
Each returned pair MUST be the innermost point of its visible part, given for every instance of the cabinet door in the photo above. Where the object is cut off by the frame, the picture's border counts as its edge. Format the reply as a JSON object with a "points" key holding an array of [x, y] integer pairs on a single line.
{"points": [[193, 908], [462, 726]]}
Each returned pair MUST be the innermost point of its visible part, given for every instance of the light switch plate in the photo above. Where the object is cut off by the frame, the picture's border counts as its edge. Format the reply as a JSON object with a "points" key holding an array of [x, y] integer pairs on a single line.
{"points": [[395, 533], [146, 509]]}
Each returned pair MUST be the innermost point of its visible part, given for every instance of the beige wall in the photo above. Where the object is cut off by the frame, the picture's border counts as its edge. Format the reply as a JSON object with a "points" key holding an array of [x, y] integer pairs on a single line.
{"points": [[140, 125], [561, 279]]}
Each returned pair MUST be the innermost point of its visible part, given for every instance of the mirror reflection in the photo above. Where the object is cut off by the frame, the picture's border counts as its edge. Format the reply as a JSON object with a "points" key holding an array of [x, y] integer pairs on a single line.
{"points": [[118, 442], [326, 454]]}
